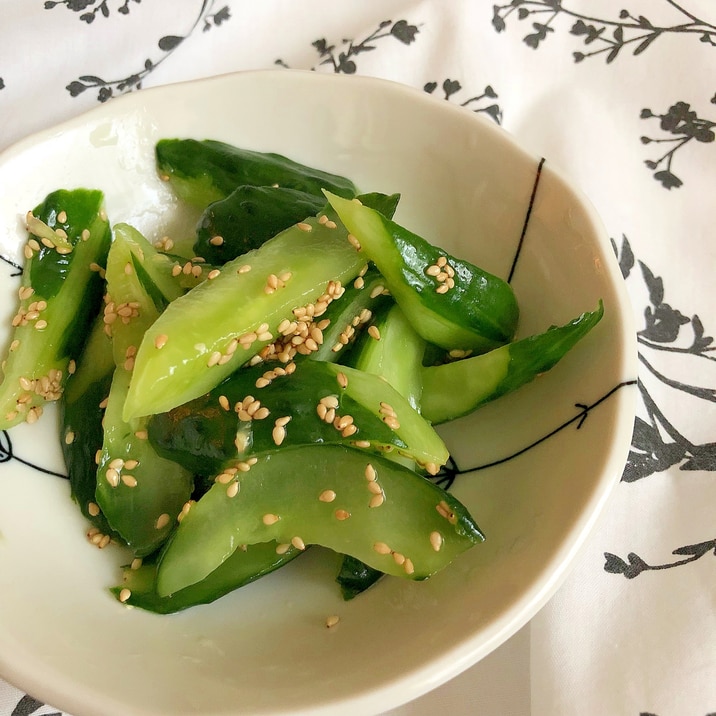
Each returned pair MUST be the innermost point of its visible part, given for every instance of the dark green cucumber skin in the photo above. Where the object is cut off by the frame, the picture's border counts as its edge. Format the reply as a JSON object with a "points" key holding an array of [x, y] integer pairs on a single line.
{"points": [[49, 269], [455, 389], [287, 484], [241, 568], [344, 312], [355, 577], [81, 415], [200, 435], [248, 217], [210, 170]]}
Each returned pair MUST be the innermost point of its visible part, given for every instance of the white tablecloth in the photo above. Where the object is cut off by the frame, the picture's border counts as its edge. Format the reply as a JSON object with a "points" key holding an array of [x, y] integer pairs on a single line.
{"points": [[619, 94]]}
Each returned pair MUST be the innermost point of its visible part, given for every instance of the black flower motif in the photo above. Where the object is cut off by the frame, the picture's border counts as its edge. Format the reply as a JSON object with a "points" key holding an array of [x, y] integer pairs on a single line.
{"points": [[684, 125]]}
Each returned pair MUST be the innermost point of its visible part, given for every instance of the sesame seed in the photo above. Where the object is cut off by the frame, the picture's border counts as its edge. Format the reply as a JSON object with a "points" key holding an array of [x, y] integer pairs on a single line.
{"points": [[391, 422], [432, 468], [442, 288], [112, 477], [270, 519], [224, 478], [129, 480], [408, 566], [117, 463], [244, 269], [362, 443], [85, 234], [327, 496], [330, 401], [282, 548], [131, 464], [136, 563], [71, 366], [124, 595], [342, 515], [213, 274], [69, 437], [281, 422], [176, 270], [376, 500], [93, 509], [141, 434], [162, 521], [354, 242], [332, 621], [375, 488], [216, 240], [298, 543], [322, 219], [278, 434], [214, 358], [436, 541], [303, 226], [381, 548], [62, 217], [374, 332], [433, 270], [330, 224], [233, 489], [41, 324], [377, 290], [399, 558]]}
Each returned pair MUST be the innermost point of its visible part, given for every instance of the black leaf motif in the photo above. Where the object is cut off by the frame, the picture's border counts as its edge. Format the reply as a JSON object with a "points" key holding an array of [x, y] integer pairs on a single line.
{"points": [[404, 32], [450, 87], [169, 42], [430, 87], [703, 458], [668, 179], [27, 706], [75, 88]]}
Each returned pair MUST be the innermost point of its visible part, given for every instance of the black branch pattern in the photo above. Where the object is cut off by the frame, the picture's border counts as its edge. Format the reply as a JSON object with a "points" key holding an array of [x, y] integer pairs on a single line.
{"points": [[207, 18], [478, 103], [605, 36], [342, 57]]}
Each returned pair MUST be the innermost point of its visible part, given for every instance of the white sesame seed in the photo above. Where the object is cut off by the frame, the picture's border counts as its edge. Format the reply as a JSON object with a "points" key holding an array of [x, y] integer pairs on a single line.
{"points": [[342, 515], [278, 434], [162, 521], [376, 500], [124, 595], [93, 509], [332, 621], [381, 548], [327, 496], [129, 480], [298, 543], [303, 226], [216, 240], [136, 563], [270, 519], [436, 541], [233, 489]]}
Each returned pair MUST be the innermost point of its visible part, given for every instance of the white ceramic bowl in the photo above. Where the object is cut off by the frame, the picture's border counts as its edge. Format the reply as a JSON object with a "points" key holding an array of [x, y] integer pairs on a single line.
{"points": [[265, 649]]}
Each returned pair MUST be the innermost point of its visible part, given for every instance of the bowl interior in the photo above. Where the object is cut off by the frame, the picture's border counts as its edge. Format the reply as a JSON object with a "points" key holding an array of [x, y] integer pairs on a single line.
{"points": [[265, 649]]}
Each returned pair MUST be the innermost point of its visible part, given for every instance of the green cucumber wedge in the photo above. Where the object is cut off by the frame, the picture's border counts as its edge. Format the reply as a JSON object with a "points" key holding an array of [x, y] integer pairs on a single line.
{"points": [[381, 513], [202, 172], [59, 296], [450, 302], [219, 325], [455, 389]]}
